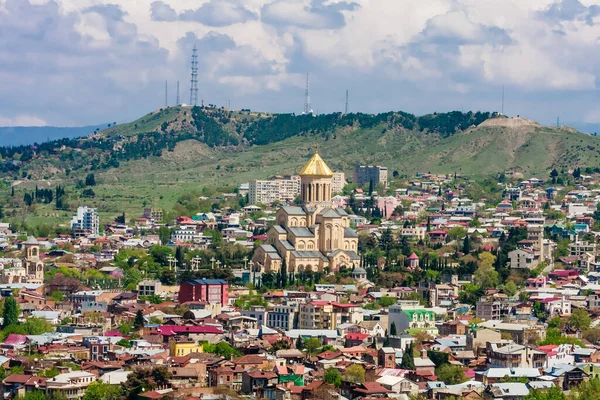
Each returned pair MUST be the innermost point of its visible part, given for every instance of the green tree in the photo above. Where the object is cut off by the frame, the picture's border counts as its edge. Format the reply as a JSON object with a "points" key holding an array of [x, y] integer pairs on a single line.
{"points": [[102, 391], [164, 235], [139, 322], [393, 331], [355, 373], [408, 358], [386, 301], [589, 390], [554, 393], [125, 329], [466, 249], [57, 296], [312, 345], [579, 320], [333, 377], [510, 289], [11, 312], [450, 374]]}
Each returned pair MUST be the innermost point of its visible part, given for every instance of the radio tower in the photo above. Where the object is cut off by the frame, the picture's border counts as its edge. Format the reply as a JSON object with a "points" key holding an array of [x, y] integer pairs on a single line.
{"points": [[177, 99], [307, 109], [346, 108], [166, 94], [194, 81]]}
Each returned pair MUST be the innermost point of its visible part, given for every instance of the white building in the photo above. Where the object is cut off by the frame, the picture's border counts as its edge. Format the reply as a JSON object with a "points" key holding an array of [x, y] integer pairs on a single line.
{"points": [[269, 191], [338, 181], [86, 221]]}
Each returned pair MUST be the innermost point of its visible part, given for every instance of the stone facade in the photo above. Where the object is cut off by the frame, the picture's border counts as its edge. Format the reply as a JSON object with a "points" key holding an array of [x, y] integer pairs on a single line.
{"points": [[315, 236]]}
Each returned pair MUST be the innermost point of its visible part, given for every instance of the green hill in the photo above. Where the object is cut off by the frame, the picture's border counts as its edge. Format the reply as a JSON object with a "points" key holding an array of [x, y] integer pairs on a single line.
{"points": [[170, 152]]}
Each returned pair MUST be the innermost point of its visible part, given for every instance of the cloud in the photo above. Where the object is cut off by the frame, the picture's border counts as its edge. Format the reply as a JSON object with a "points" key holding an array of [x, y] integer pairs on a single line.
{"points": [[317, 15], [161, 11], [84, 62], [22, 120], [214, 13]]}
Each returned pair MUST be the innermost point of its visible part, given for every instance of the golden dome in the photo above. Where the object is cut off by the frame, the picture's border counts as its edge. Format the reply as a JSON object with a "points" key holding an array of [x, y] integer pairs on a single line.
{"points": [[316, 167]]}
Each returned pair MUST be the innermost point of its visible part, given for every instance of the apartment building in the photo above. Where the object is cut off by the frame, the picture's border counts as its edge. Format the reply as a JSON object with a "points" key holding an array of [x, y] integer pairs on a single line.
{"points": [[579, 248], [338, 181], [408, 314], [327, 315], [269, 191], [494, 309], [282, 317], [70, 386], [86, 221], [514, 356], [363, 175]]}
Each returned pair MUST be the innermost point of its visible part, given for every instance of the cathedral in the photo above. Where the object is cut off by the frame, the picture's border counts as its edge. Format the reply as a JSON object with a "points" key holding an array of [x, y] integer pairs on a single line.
{"points": [[315, 236]]}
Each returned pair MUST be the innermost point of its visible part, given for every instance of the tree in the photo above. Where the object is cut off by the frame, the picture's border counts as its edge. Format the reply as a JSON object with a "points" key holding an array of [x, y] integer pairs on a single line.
{"points": [[450, 374], [408, 358], [386, 301], [139, 322], [11, 313], [125, 329], [466, 245], [393, 331], [102, 391], [164, 235], [333, 377], [554, 393], [510, 289], [579, 320], [312, 345], [280, 345], [90, 180], [299, 343], [283, 273], [355, 373]]}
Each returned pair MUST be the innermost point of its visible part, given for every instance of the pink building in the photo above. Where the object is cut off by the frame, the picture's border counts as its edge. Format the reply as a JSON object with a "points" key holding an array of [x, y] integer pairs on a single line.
{"points": [[387, 205]]}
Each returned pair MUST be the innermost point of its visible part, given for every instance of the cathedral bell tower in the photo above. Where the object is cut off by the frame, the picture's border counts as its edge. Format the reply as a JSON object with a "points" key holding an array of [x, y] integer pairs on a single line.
{"points": [[32, 263], [315, 181]]}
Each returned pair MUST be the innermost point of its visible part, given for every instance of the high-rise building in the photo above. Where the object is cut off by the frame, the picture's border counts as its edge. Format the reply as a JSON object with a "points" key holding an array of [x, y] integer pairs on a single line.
{"points": [[363, 175], [338, 181], [269, 191], [86, 221]]}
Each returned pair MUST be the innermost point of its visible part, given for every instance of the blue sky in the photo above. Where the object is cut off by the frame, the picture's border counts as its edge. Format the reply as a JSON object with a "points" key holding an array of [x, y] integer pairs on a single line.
{"points": [[79, 62]]}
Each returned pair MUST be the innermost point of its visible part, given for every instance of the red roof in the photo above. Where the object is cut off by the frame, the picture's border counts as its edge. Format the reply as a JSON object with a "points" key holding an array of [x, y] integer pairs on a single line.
{"points": [[413, 256], [371, 387], [357, 336], [14, 339]]}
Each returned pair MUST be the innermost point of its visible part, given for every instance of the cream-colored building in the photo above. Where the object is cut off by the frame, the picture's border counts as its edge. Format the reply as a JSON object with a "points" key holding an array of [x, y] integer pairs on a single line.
{"points": [[32, 263], [315, 236], [269, 191], [338, 181]]}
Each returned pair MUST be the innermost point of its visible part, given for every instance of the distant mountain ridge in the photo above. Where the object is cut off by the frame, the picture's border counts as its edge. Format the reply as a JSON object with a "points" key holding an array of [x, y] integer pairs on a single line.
{"points": [[28, 135]]}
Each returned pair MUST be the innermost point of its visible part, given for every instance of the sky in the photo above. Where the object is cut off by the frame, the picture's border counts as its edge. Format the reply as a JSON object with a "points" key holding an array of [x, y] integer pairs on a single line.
{"points": [[82, 62]]}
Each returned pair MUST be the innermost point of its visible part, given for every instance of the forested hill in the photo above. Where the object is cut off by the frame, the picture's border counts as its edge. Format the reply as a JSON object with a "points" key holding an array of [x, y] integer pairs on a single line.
{"points": [[470, 142], [161, 130]]}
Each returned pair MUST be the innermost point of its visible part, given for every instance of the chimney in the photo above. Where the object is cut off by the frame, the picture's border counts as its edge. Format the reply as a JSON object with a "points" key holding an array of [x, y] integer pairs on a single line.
{"points": [[423, 353]]}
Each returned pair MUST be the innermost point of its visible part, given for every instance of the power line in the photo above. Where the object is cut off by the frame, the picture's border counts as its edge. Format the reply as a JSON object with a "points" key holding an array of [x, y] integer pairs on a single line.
{"points": [[194, 80]]}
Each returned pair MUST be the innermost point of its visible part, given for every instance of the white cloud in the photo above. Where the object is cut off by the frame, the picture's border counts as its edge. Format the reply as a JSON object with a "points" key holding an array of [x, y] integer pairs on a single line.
{"points": [[99, 55], [22, 120]]}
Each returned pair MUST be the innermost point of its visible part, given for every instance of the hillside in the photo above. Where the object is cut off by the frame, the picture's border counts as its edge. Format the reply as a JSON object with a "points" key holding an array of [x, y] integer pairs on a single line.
{"points": [[250, 145]]}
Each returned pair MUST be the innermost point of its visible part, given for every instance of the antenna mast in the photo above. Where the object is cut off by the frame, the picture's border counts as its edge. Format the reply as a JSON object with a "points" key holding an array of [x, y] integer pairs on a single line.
{"points": [[166, 94], [502, 99], [307, 109], [346, 108], [194, 81], [177, 100]]}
